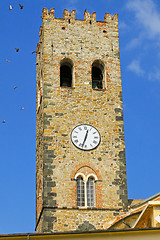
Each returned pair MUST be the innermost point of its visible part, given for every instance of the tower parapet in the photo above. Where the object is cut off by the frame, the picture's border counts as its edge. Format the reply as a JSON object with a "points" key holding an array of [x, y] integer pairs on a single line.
{"points": [[88, 18]]}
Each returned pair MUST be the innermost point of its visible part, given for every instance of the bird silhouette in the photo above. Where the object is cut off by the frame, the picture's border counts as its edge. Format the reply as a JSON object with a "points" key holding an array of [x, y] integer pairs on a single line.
{"points": [[10, 7], [22, 108], [17, 49], [7, 61], [15, 87], [3, 121], [21, 7]]}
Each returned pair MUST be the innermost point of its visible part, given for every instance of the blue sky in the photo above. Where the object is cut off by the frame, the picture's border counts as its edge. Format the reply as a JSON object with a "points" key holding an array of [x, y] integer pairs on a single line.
{"points": [[139, 30]]}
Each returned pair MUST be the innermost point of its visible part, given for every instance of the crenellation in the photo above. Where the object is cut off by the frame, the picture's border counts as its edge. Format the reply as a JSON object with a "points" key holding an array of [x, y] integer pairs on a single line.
{"points": [[66, 14], [89, 18], [51, 12], [107, 17], [73, 14], [86, 16], [69, 16], [93, 16], [115, 17], [44, 12]]}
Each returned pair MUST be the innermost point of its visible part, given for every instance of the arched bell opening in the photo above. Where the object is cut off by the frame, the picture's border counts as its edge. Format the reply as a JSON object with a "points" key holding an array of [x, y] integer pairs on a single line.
{"points": [[66, 73], [97, 75]]}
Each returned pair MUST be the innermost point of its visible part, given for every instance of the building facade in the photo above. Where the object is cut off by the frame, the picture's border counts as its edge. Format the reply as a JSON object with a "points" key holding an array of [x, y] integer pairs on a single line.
{"points": [[80, 167]]}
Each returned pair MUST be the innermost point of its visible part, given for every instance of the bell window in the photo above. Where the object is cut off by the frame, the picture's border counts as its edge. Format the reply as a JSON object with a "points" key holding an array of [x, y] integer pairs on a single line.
{"points": [[98, 75], [66, 73]]}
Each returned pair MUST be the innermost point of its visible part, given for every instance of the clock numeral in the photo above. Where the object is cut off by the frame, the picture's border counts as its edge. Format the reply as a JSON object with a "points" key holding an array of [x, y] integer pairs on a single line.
{"points": [[91, 145], [74, 136], [80, 145], [85, 128], [75, 141], [96, 137], [94, 132], [94, 142], [75, 132], [80, 128], [85, 146]]}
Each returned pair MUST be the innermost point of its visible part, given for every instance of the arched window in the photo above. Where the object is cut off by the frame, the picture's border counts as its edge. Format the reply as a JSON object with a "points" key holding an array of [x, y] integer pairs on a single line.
{"points": [[91, 192], [97, 75], [86, 190], [80, 192], [66, 72]]}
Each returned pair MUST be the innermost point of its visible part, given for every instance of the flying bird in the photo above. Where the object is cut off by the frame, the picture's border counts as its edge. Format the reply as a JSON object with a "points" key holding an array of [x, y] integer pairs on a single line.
{"points": [[3, 121], [7, 61], [10, 7], [17, 49], [22, 108], [15, 87], [36, 52], [21, 7]]}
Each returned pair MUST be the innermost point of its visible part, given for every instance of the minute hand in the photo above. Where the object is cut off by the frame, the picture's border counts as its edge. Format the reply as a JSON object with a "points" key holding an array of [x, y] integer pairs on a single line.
{"points": [[85, 138]]}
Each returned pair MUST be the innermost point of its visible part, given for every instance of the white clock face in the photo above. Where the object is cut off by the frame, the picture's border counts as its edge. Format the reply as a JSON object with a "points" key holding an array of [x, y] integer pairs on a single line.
{"points": [[85, 137]]}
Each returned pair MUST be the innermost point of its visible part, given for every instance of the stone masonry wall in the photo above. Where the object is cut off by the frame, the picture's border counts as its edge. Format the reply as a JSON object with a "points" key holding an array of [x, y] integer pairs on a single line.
{"points": [[62, 108], [39, 131]]}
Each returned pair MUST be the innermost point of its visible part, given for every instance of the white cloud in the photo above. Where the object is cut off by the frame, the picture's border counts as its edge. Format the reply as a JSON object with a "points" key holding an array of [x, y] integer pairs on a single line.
{"points": [[155, 75], [71, 2], [146, 15], [72, 5], [122, 25], [135, 67], [134, 42]]}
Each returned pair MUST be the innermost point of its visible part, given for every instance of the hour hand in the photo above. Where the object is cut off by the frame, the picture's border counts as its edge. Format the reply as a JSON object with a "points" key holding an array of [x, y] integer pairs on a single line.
{"points": [[85, 138]]}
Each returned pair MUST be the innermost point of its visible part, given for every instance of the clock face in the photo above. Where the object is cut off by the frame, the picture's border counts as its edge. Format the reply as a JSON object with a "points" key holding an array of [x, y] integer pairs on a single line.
{"points": [[85, 137]]}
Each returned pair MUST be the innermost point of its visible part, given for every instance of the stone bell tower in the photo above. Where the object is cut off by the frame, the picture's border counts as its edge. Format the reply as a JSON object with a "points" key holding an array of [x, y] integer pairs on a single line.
{"points": [[80, 167]]}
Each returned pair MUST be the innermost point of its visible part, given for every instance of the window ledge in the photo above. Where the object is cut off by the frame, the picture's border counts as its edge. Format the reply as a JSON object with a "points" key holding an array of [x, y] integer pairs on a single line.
{"points": [[99, 89], [67, 87], [87, 208]]}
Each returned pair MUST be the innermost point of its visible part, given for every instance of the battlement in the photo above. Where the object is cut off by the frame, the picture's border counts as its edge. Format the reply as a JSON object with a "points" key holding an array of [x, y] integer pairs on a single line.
{"points": [[70, 16]]}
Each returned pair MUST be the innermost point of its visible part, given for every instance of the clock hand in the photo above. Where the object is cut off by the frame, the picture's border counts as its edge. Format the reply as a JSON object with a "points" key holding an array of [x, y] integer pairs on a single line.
{"points": [[85, 138]]}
